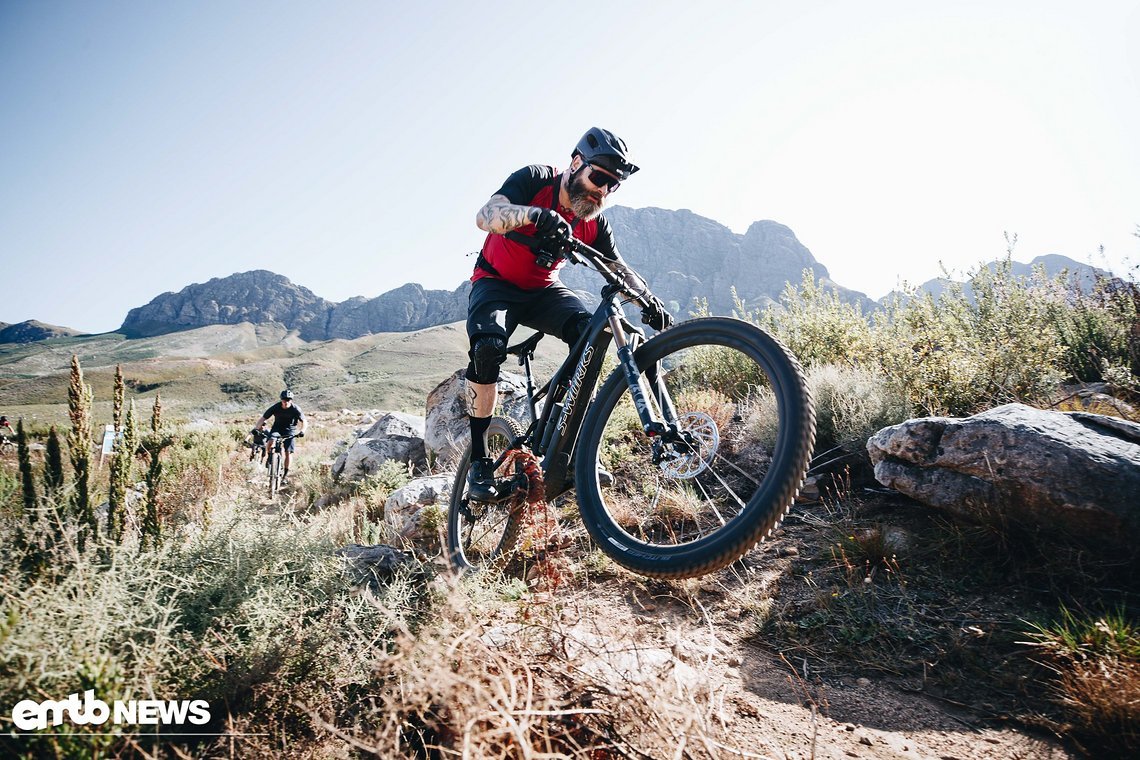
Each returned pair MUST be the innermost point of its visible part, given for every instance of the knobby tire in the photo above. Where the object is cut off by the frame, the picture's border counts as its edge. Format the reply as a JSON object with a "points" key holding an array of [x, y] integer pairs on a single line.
{"points": [[761, 512]]}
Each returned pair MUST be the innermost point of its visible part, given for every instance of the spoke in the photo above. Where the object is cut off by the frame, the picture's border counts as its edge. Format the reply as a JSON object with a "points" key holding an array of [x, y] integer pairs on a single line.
{"points": [[712, 503], [728, 488], [722, 458]]}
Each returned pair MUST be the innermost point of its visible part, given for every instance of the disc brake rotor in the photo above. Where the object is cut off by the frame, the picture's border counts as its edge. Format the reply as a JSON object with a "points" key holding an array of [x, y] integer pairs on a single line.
{"points": [[689, 463]]}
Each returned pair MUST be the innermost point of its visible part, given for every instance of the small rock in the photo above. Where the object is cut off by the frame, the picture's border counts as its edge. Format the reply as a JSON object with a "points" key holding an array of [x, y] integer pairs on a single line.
{"points": [[863, 681]]}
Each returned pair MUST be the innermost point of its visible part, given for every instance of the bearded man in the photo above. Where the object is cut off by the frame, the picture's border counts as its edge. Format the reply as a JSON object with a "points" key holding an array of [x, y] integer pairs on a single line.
{"points": [[516, 280]]}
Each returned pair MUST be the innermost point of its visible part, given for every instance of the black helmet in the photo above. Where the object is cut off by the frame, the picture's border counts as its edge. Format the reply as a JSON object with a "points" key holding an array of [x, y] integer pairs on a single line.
{"points": [[286, 395], [603, 148]]}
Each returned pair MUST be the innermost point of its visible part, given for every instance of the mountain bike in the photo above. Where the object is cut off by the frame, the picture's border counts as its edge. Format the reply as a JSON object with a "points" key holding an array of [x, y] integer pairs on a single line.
{"points": [[702, 435], [274, 460]]}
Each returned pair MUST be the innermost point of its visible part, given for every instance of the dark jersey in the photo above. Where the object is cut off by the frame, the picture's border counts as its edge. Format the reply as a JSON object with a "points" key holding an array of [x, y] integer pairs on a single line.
{"points": [[284, 420], [514, 262]]}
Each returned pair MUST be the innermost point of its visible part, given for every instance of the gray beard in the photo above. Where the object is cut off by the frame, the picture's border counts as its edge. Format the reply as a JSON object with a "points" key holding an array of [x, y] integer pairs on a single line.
{"points": [[580, 203]]}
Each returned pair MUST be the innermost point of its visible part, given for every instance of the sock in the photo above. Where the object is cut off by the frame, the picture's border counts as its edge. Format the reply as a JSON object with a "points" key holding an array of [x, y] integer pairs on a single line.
{"points": [[285, 473], [479, 427]]}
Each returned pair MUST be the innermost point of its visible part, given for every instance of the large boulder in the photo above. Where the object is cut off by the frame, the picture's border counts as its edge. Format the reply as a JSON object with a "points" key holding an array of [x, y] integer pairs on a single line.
{"points": [[416, 512], [447, 431], [395, 436], [1072, 471]]}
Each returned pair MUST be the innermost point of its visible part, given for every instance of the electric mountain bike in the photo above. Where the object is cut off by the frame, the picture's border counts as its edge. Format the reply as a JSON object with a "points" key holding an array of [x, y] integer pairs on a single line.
{"points": [[702, 436]]}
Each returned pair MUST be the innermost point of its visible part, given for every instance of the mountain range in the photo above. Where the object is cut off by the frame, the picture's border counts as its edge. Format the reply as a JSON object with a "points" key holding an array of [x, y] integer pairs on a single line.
{"points": [[685, 258]]}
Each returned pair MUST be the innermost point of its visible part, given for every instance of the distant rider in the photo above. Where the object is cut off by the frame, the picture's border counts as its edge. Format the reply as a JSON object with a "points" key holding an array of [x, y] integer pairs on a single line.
{"points": [[528, 220], [288, 420]]}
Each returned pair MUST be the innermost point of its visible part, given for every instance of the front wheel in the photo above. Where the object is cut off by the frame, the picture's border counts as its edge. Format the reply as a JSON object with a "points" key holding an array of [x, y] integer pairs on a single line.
{"points": [[274, 473], [484, 535], [694, 504]]}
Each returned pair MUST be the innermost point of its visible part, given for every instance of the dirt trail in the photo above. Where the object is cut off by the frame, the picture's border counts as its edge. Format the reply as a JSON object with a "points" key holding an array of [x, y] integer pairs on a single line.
{"points": [[758, 705]]}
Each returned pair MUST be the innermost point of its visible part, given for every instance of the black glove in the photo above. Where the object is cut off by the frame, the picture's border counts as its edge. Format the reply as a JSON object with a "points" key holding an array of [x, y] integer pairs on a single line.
{"points": [[655, 315], [301, 434], [550, 224], [553, 234]]}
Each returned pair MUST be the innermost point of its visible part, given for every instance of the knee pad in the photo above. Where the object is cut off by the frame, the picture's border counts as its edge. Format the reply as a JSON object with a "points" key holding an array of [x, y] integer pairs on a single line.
{"points": [[487, 353], [574, 328]]}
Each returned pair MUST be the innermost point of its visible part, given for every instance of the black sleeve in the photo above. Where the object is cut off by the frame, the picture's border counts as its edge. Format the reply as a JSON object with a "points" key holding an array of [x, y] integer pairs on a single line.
{"points": [[272, 411], [604, 242], [521, 187], [300, 415]]}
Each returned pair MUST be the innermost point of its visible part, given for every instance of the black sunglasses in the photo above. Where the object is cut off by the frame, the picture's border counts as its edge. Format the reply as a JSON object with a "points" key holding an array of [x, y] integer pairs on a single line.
{"points": [[599, 178]]}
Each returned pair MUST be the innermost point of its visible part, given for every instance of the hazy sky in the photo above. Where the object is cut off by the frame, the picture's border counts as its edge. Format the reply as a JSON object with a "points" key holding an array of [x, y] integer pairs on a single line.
{"points": [[348, 145]]}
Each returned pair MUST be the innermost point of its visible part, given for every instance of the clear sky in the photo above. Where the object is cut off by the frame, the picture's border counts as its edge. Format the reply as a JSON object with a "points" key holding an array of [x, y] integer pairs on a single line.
{"points": [[347, 145]]}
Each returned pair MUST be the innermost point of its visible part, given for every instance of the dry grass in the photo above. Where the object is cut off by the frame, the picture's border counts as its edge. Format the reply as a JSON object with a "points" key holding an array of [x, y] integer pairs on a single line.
{"points": [[1095, 665]]}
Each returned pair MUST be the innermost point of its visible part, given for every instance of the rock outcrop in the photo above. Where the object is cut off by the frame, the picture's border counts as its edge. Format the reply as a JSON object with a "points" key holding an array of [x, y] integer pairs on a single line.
{"points": [[1070, 471], [447, 431], [395, 437], [418, 511]]}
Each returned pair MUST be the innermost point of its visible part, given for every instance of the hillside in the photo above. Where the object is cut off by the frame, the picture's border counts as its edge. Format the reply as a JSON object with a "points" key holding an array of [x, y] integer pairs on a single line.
{"points": [[241, 367], [31, 331]]}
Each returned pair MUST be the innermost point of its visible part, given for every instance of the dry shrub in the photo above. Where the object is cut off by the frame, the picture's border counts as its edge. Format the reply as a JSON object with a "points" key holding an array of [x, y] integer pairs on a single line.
{"points": [[851, 405], [489, 681], [1096, 664], [1102, 698]]}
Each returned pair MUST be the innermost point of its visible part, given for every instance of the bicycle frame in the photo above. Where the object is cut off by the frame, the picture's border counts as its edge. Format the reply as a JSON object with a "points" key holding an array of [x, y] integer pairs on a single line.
{"points": [[570, 390]]}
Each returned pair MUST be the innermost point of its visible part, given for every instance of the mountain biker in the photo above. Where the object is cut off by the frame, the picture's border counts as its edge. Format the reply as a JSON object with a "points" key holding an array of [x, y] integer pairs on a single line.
{"points": [[288, 420], [528, 221]]}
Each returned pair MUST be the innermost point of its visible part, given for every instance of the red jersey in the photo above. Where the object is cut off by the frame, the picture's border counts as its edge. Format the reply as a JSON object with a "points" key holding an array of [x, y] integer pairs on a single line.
{"points": [[514, 262]]}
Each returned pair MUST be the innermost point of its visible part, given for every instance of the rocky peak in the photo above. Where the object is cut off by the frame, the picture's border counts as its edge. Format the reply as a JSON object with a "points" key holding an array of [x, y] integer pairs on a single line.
{"points": [[31, 331]]}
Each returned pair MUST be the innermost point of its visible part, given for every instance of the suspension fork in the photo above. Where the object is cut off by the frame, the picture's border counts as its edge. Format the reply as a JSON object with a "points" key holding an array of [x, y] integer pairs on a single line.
{"points": [[636, 381]]}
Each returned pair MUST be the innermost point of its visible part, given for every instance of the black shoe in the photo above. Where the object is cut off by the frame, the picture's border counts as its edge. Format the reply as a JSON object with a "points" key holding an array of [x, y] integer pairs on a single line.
{"points": [[481, 480], [605, 479]]}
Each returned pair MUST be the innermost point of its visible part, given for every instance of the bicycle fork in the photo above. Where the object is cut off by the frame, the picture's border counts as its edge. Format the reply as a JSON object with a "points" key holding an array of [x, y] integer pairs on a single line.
{"points": [[651, 398]]}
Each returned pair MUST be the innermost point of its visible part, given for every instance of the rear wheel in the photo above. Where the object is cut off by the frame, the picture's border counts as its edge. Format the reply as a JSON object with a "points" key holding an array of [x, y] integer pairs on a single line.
{"points": [[484, 535], [692, 505]]}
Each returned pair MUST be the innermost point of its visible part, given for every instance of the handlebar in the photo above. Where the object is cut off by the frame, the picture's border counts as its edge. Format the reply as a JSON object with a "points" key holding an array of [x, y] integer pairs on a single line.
{"points": [[611, 270]]}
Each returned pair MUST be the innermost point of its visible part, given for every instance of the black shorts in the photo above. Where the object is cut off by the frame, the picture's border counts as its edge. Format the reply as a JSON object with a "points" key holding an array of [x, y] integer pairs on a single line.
{"points": [[496, 307], [289, 444]]}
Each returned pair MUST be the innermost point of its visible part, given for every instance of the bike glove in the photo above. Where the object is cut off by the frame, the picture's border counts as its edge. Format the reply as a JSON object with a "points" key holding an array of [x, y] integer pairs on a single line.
{"points": [[301, 434], [656, 315], [550, 224]]}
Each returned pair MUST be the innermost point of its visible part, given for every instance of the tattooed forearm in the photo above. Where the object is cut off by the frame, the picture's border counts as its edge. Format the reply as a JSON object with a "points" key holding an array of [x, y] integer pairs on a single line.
{"points": [[500, 215]]}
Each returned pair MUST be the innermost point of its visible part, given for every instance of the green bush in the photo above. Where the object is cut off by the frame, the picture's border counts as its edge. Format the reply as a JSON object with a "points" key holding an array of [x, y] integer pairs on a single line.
{"points": [[1099, 330], [818, 326], [1008, 338]]}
